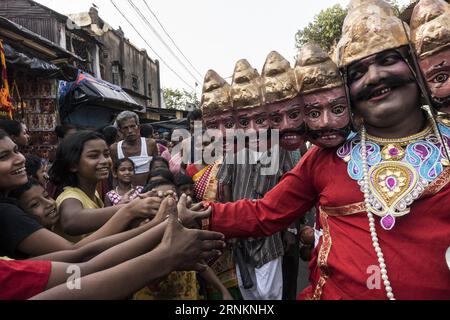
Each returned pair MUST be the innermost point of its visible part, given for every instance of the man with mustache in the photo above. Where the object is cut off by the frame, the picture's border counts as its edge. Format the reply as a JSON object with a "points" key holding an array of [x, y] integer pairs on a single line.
{"points": [[326, 113], [430, 30], [384, 195]]}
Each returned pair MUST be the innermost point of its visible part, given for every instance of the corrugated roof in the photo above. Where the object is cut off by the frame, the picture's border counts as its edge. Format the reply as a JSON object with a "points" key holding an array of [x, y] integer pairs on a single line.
{"points": [[14, 31]]}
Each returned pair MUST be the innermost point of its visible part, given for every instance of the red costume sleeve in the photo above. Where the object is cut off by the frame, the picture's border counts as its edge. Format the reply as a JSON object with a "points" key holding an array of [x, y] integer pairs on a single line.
{"points": [[20, 280], [292, 197]]}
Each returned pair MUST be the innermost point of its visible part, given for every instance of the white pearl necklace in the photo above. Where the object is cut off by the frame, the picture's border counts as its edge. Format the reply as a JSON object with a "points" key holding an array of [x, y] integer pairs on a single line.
{"points": [[373, 231]]}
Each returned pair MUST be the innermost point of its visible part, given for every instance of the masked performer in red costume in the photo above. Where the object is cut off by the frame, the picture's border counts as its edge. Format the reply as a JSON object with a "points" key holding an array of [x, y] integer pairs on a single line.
{"points": [[384, 195]]}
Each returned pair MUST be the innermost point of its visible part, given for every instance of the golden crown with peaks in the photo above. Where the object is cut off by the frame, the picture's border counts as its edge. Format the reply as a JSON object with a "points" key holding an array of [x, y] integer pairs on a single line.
{"points": [[246, 91], [216, 94], [430, 26], [315, 70], [369, 28], [278, 79]]}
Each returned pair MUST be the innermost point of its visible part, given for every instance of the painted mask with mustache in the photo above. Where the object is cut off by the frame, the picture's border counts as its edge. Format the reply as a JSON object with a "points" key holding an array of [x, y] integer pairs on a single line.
{"points": [[281, 101], [326, 112], [430, 29]]}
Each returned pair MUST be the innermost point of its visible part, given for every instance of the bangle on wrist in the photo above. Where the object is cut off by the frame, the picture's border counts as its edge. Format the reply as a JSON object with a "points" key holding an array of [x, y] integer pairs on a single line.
{"points": [[293, 231]]}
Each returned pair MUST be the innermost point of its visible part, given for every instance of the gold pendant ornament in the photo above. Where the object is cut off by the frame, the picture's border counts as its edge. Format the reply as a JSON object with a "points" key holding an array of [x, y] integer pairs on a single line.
{"points": [[392, 152], [393, 186]]}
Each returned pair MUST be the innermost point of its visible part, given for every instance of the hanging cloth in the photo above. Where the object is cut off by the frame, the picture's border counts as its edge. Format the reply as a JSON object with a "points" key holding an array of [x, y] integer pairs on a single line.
{"points": [[6, 105]]}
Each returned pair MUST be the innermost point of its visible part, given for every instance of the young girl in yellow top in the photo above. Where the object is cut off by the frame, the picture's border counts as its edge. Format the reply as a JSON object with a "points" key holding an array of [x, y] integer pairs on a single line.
{"points": [[82, 160]]}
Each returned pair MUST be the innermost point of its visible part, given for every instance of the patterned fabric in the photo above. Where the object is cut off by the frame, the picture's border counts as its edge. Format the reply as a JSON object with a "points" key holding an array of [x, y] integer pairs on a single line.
{"points": [[248, 183], [200, 181], [115, 197], [178, 285], [6, 106], [206, 185]]}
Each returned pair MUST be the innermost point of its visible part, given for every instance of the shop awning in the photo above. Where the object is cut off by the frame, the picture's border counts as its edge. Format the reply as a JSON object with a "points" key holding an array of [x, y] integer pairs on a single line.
{"points": [[38, 66], [170, 124], [88, 91]]}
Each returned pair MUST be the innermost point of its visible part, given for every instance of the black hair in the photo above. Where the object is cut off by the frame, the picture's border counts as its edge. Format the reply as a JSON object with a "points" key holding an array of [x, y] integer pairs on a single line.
{"points": [[182, 179], [165, 143], [68, 155], [157, 183], [3, 134], [32, 165], [146, 130], [110, 134], [195, 115], [164, 174], [11, 127], [61, 130], [157, 158], [19, 191], [118, 162]]}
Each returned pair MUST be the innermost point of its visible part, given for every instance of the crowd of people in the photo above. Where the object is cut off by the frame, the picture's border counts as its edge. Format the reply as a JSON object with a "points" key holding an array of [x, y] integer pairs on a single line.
{"points": [[125, 207]]}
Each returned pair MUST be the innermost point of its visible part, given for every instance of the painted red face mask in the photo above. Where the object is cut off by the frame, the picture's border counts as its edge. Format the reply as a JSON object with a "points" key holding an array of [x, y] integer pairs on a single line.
{"points": [[436, 69], [287, 117], [327, 117]]}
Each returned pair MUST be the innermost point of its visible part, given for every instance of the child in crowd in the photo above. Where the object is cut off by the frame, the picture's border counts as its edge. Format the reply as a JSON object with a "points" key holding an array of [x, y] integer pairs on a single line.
{"points": [[184, 184], [82, 160], [17, 131], [36, 169], [34, 200], [159, 163], [123, 172], [158, 174], [178, 285]]}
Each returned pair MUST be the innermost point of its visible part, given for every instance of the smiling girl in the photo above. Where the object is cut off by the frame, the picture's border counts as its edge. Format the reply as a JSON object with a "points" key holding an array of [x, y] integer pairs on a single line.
{"points": [[82, 160], [123, 172]]}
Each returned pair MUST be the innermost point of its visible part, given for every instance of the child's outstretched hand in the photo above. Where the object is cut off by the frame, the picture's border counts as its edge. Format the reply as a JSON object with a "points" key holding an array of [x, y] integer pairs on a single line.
{"points": [[145, 207], [189, 248], [126, 197], [163, 211], [191, 217]]}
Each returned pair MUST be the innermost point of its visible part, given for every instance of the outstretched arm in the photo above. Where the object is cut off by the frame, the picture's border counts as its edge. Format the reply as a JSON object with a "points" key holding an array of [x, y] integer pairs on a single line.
{"points": [[180, 249], [44, 242], [290, 199]]}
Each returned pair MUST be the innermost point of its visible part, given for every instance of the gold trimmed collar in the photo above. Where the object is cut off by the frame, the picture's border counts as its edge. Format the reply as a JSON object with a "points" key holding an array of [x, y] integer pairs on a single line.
{"points": [[402, 141]]}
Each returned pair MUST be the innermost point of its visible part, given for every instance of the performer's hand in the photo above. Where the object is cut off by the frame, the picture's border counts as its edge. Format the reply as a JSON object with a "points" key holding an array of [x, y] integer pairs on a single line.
{"points": [[189, 248], [189, 217]]}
